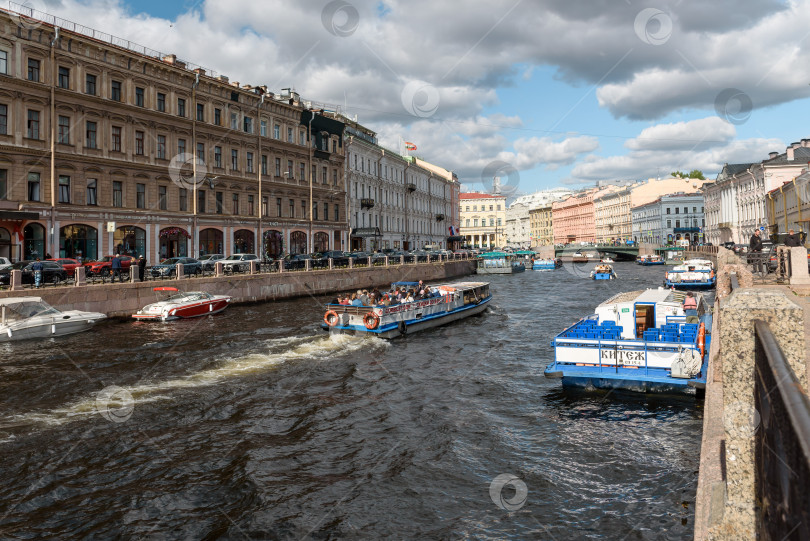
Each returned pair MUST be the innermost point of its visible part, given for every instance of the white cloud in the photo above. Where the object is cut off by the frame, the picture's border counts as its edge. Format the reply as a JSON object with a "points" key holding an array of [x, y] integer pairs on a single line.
{"points": [[692, 135]]}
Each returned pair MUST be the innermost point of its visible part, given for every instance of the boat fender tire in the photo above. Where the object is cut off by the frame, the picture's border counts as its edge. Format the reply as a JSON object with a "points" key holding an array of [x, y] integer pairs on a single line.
{"points": [[331, 318], [371, 321], [403, 328]]}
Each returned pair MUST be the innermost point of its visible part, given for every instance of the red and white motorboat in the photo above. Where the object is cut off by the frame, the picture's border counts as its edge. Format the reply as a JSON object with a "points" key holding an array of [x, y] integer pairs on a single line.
{"points": [[183, 305]]}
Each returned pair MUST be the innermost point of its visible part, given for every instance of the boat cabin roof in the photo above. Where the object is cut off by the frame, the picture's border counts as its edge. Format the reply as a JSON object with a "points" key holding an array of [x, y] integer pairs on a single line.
{"points": [[647, 296], [19, 300]]}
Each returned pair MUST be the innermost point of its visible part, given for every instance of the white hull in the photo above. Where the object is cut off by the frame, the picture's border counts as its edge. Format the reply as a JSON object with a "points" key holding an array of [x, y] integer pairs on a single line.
{"points": [[48, 326], [417, 326]]}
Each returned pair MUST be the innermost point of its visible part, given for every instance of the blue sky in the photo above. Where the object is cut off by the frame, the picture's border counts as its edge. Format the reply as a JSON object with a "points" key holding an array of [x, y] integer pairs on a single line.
{"points": [[565, 93]]}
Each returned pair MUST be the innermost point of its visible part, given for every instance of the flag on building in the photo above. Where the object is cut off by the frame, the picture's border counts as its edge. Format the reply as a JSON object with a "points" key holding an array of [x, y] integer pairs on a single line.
{"points": [[452, 231], [409, 146]]}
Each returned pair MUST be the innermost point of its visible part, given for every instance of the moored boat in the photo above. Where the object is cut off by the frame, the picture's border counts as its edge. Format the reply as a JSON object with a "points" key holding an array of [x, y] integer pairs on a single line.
{"points": [[638, 341], [603, 271], [499, 263], [691, 274], [183, 305], [606, 260], [31, 317], [448, 303], [651, 260], [546, 264]]}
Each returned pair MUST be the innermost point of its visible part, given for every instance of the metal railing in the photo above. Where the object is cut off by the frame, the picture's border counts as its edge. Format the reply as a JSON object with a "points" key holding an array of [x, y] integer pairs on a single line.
{"points": [[770, 266], [782, 443]]}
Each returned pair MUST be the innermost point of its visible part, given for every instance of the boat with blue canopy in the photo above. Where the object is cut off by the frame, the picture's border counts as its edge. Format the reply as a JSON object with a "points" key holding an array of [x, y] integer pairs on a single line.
{"points": [[638, 341], [603, 271], [546, 264], [499, 263], [691, 274]]}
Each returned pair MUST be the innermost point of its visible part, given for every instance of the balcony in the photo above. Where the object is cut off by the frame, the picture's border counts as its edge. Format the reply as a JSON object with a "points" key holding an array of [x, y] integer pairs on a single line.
{"points": [[440, 217], [411, 187], [366, 203], [725, 225]]}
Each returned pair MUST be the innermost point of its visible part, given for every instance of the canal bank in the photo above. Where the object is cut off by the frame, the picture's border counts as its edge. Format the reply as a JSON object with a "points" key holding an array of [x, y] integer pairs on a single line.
{"points": [[124, 299]]}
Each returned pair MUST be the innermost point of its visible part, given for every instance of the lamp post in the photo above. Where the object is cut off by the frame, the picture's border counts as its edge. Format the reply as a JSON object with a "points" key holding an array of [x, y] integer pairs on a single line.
{"points": [[261, 164], [310, 241]]}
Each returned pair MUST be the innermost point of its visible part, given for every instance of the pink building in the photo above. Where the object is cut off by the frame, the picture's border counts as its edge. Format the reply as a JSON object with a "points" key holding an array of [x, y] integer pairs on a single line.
{"points": [[573, 219]]}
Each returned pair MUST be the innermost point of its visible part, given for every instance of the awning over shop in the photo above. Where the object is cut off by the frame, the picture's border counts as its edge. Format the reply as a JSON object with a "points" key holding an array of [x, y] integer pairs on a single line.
{"points": [[18, 215], [456, 238], [366, 232]]}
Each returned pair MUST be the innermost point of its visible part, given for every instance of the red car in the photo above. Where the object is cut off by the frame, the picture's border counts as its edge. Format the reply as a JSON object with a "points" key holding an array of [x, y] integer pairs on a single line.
{"points": [[104, 267], [68, 264]]}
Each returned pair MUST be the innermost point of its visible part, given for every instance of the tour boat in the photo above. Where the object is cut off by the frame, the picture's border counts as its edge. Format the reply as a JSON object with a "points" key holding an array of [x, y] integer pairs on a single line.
{"points": [[606, 260], [642, 259], [451, 303], [691, 274], [638, 341], [603, 272], [546, 264], [651, 260], [499, 263], [31, 317], [183, 305]]}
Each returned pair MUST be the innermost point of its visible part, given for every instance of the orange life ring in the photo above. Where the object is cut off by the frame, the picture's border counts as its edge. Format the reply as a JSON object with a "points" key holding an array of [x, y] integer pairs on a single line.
{"points": [[371, 321], [331, 318], [701, 341]]}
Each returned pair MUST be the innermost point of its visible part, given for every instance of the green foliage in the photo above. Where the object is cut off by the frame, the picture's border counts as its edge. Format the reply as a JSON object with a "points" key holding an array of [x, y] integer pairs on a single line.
{"points": [[694, 173]]}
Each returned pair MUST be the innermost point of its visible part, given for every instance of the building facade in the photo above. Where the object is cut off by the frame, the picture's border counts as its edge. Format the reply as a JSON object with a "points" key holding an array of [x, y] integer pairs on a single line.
{"points": [[736, 202], [788, 206], [518, 227], [483, 219], [106, 149], [541, 226], [670, 218]]}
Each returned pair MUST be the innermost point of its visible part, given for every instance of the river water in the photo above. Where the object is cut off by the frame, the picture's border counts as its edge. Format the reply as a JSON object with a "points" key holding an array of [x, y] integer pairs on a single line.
{"points": [[257, 424]]}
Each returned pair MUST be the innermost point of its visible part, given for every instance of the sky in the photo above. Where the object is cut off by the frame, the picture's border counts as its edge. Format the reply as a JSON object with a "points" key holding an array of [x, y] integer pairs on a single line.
{"points": [[542, 93]]}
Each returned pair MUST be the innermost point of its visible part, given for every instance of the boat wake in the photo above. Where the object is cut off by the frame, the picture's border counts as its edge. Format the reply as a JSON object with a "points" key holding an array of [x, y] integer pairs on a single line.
{"points": [[117, 403]]}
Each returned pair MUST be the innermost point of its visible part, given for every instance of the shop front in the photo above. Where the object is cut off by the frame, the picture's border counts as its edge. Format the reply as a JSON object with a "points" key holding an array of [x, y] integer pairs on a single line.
{"points": [[298, 242], [320, 242], [360, 236], [211, 241], [243, 242], [273, 244], [78, 241], [12, 236], [173, 242], [34, 241], [129, 240], [5, 243]]}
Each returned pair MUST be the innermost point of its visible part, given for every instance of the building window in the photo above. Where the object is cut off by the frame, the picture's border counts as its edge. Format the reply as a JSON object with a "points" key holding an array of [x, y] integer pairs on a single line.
{"points": [[302, 170], [677, 210], [181, 107], [162, 199], [33, 70], [218, 157], [218, 199], [140, 196], [90, 135], [64, 77], [334, 177], [33, 186], [278, 167], [161, 147], [181, 146], [686, 210], [235, 203], [669, 224], [677, 223], [183, 199], [139, 135], [302, 138], [292, 208], [251, 211], [201, 201], [63, 131], [263, 128], [314, 210], [118, 194], [326, 211], [325, 175], [264, 164], [200, 112], [90, 84], [667, 210], [303, 209], [4, 62], [33, 124], [234, 159], [278, 207], [3, 119], [249, 162], [290, 169], [290, 135], [116, 139], [201, 151], [115, 90], [248, 124], [64, 189], [276, 131], [499, 221], [92, 191], [337, 213], [218, 117], [139, 97], [161, 102]]}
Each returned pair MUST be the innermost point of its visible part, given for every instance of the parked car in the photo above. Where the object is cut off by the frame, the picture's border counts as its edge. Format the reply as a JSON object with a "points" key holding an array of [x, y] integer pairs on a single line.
{"points": [[104, 266], [168, 267], [333, 254], [209, 261], [52, 273], [5, 263], [238, 262], [358, 255], [67, 263]]}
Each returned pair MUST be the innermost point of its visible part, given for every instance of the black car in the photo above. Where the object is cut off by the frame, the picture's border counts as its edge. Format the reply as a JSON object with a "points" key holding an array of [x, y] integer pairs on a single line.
{"points": [[52, 272], [168, 267]]}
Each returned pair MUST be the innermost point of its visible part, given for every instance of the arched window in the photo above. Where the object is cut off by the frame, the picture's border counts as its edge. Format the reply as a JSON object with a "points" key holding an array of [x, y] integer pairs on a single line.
{"points": [[33, 241], [298, 242], [321, 242], [5, 243], [129, 240], [243, 242], [173, 242], [211, 241], [273, 244], [78, 241]]}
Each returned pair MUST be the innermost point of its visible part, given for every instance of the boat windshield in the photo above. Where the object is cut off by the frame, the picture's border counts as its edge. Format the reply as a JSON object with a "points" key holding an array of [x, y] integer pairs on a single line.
{"points": [[24, 310], [189, 296]]}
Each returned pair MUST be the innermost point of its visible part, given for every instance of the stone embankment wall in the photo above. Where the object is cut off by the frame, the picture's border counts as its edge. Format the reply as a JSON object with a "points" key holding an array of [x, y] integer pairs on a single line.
{"points": [[124, 299]]}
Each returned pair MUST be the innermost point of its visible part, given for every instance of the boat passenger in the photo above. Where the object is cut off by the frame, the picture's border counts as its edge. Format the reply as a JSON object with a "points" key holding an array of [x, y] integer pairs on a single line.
{"points": [[356, 301], [336, 300], [690, 305]]}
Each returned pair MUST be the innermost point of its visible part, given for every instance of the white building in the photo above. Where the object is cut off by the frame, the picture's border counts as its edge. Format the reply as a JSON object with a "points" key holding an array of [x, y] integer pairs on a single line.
{"points": [[735, 202], [670, 218], [518, 223]]}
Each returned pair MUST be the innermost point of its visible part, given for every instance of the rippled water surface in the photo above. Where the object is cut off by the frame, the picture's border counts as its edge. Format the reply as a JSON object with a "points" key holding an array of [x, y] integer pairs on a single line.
{"points": [[257, 424]]}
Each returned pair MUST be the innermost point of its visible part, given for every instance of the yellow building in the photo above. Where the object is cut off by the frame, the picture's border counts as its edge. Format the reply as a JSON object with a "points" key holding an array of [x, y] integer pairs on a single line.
{"points": [[483, 219], [541, 226]]}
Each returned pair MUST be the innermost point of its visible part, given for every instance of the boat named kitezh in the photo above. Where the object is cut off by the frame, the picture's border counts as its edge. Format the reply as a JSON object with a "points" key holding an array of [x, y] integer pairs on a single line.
{"points": [[451, 302], [638, 341]]}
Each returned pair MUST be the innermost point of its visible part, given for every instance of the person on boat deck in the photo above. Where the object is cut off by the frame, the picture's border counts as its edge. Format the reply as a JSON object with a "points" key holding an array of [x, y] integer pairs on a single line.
{"points": [[356, 301], [336, 300], [409, 297], [690, 305], [345, 300]]}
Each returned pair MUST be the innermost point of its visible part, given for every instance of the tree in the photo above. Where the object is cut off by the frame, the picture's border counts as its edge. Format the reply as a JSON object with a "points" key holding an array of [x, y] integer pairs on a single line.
{"points": [[694, 173]]}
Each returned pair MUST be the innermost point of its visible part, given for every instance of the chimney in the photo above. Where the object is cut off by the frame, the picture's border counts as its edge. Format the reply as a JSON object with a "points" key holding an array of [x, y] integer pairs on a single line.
{"points": [[235, 83], [772, 155], [795, 145], [789, 153], [223, 78], [170, 59], [806, 142]]}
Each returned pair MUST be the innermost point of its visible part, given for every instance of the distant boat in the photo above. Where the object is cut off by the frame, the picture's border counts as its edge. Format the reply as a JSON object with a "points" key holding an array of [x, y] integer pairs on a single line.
{"points": [[546, 264], [606, 260], [638, 341], [652, 260], [603, 272], [31, 317], [691, 274], [499, 263]]}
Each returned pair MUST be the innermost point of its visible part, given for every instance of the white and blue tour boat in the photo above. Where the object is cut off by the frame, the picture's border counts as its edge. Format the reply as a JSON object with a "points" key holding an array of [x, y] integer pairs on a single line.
{"points": [[499, 263], [451, 302], [651, 260], [637, 341], [546, 264], [691, 274], [603, 271]]}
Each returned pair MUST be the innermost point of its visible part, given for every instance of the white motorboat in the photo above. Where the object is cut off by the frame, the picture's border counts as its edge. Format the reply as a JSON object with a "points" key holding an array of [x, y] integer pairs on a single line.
{"points": [[31, 317]]}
